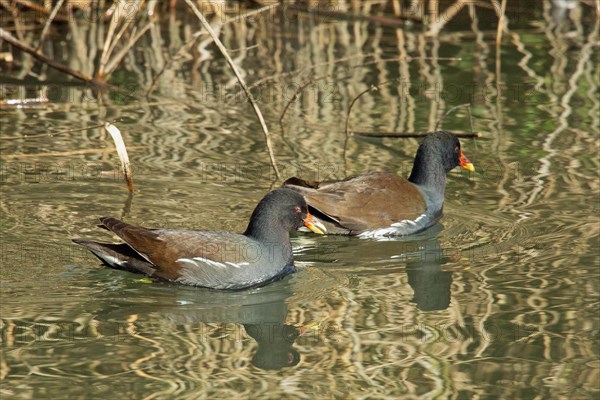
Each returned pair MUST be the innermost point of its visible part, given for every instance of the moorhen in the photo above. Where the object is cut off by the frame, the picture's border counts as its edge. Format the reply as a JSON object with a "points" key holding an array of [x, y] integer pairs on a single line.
{"points": [[379, 204], [218, 260]]}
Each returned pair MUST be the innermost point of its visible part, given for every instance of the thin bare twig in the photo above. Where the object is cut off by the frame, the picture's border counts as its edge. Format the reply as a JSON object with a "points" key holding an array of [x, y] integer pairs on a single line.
{"points": [[346, 130], [114, 62], [251, 13], [197, 36], [447, 15], [297, 94], [107, 41], [370, 89], [39, 8], [16, 18], [56, 65], [468, 105], [501, 23], [53, 14], [235, 70], [115, 40], [373, 88]]}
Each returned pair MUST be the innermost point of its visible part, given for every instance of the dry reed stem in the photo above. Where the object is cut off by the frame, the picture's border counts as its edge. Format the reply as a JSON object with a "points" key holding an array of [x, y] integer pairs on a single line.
{"points": [[238, 75], [15, 15], [4, 35], [448, 14], [48, 23], [38, 8], [501, 18], [196, 37], [114, 62]]}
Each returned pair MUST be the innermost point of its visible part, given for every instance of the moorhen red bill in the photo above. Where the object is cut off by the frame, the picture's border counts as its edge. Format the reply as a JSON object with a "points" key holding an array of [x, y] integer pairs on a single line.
{"points": [[218, 260], [380, 204]]}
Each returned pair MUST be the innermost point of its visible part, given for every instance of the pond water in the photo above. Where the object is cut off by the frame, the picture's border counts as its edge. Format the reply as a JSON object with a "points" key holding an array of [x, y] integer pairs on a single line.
{"points": [[499, 300]]}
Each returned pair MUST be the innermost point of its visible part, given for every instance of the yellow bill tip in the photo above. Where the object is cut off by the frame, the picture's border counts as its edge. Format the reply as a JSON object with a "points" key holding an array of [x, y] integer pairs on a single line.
{"points": [[314, 225], [469, 167]]}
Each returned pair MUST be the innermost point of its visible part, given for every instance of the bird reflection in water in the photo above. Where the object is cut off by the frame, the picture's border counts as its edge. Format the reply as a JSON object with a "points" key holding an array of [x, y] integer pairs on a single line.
{"points": [[426, 277]]}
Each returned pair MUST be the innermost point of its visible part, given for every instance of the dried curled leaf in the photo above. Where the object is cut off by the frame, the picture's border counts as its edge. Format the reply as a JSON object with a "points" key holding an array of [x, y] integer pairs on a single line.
{"points": [[122, 152]]}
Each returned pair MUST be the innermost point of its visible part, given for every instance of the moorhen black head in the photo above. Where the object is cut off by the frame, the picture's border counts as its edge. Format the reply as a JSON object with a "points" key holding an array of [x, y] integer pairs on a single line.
{"points": [[379, 204], [218, 260]]}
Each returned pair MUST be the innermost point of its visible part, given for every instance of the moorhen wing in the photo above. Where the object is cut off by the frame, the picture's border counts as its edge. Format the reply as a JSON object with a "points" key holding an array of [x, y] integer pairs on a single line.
{"points": [[379, 204], [218, 260]]}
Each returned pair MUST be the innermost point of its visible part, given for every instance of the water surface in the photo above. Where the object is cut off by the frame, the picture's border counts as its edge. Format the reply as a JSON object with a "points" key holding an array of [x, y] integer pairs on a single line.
{"points": [[500, 300]]}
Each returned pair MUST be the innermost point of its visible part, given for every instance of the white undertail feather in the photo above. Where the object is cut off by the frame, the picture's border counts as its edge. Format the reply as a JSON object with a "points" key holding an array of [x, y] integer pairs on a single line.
{"points": [[398, 228], [110, 260]]}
